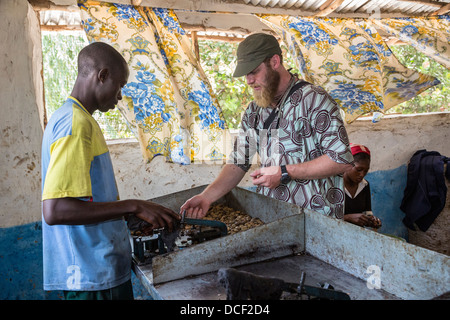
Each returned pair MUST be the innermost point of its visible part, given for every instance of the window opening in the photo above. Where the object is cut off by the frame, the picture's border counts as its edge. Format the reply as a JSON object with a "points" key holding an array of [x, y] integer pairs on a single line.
{"points": [[59, 53]]}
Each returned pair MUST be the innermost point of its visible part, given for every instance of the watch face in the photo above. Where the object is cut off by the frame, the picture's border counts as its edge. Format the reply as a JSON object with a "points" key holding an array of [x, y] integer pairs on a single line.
{"points": [[285, 178]]}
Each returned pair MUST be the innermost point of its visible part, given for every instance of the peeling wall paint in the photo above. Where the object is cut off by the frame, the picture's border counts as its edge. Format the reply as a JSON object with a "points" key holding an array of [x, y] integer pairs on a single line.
{"points": [[20, 127]]}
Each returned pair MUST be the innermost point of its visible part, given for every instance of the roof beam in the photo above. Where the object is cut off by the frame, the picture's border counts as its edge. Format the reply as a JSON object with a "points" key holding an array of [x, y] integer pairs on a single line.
{"points": [[42, 5], [442, 10], [325, 5], [333, 5], [61, 27]]}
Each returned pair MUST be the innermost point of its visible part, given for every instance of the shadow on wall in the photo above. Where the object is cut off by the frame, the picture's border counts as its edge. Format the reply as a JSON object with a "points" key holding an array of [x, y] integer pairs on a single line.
{"points": [[21, 266]]}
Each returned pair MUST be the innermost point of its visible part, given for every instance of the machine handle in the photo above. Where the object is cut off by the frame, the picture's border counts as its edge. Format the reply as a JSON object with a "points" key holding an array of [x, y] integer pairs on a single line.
{"points": [[209, 223]]}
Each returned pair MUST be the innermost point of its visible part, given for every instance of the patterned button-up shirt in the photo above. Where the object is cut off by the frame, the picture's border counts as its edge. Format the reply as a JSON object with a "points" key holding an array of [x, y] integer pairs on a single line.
{"points": [[308, 125]]}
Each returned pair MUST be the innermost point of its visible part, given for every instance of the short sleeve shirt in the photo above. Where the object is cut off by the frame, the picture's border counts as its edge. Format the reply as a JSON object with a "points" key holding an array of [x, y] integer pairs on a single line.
{"points": [[308, 125], [76, 163]]}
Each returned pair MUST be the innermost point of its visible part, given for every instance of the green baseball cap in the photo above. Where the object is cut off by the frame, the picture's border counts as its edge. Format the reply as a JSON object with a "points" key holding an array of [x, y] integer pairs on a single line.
{"points": [[253, 51]]}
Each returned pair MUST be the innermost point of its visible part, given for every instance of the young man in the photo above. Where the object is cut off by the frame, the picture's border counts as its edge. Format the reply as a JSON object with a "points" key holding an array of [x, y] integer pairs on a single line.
{"points": [[296, 129], [86, 248]]}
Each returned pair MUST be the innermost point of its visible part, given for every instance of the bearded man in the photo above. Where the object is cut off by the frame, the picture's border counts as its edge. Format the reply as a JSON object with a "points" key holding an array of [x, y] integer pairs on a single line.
{"points": [[297, 131]]}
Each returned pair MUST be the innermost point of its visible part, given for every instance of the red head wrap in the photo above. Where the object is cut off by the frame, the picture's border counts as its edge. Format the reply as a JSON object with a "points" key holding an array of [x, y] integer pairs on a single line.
{"points": [[358, 148]]}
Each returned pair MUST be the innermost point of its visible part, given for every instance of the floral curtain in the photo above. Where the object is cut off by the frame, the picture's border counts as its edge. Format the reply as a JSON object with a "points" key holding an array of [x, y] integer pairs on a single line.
{"points": [[168, 101], [349, 59], [430, 35]]}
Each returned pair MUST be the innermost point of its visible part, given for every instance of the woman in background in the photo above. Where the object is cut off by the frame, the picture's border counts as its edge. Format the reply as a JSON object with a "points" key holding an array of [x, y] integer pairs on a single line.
{"points": [[358, 205]]}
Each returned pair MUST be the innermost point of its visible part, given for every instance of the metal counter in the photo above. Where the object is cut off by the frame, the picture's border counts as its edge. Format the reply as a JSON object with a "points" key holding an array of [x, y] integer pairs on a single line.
{"points": [[360, 262]]}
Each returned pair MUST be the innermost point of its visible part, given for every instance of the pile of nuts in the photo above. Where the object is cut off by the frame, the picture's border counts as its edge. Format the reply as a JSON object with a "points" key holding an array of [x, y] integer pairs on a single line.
{"points": [[235, 220]]}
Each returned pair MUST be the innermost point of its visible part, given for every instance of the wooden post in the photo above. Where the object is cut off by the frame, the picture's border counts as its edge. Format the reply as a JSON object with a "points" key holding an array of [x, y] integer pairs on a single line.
{"points": [[194, 39]]}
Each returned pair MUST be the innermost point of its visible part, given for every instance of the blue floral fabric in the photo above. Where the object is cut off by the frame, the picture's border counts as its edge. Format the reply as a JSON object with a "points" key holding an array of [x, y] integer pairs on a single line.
{"points": [[168, 100], [349, 60]]}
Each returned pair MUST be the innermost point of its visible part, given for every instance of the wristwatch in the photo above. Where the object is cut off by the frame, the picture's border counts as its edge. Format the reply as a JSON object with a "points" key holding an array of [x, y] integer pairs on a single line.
{"points": [[284, 175]]}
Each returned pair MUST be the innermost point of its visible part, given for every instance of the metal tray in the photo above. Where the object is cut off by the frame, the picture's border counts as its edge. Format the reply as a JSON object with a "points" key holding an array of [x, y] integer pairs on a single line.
{"points": [[382, 263]]}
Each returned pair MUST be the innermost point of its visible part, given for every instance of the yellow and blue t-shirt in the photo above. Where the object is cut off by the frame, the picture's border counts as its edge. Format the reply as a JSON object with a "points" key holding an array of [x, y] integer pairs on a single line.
{"points": [[76, 163]]}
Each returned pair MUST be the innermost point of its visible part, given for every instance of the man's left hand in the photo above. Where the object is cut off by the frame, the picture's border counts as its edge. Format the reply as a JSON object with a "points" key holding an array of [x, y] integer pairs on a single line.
{"points": [[267, 177]]}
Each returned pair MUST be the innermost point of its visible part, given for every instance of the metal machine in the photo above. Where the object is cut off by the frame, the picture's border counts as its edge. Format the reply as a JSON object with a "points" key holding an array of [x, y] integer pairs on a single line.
{"points": [[147, 242]]}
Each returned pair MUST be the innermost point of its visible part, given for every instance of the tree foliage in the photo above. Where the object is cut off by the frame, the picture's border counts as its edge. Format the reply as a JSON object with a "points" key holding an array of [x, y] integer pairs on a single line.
{"points": [[435, 99], [218, 60], [60, 53]]}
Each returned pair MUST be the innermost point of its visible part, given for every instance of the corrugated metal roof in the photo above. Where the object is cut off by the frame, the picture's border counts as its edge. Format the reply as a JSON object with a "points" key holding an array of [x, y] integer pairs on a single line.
{"points": [[355, 6], [186, 9], [308, 7]]}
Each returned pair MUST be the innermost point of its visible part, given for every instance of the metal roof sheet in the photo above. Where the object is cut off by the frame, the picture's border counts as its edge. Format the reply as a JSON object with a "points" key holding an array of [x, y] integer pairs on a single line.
{"points": [[69, 17]]}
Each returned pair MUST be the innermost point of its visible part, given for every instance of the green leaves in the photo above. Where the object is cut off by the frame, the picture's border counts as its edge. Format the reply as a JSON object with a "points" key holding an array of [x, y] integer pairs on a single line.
{"points": [[60, 54], [218, 60], [435, 99]]}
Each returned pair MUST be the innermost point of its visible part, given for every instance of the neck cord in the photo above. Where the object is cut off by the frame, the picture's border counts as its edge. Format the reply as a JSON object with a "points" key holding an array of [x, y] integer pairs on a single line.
{"points": [[280, 103]]}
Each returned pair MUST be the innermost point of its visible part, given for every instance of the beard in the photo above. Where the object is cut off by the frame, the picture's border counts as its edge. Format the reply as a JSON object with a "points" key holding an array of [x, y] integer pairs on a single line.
{"points": [[266, 96]]}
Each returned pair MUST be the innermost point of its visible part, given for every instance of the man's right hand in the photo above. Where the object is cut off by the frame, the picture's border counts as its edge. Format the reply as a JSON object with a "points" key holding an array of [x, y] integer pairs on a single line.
{"points": [[196, 207], [73, 211], [156, 215]]}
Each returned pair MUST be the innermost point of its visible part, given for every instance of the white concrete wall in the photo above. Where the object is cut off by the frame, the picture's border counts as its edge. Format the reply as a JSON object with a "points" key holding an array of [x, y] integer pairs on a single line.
{"points": [[394, 139], [21, 96], [137, 179]]}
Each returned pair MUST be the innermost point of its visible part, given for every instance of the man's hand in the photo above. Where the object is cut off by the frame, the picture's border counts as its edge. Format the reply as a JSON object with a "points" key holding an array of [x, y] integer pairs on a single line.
{"points": [[72, 211], [267, 177], [196, 207], [156, 215]]}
